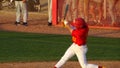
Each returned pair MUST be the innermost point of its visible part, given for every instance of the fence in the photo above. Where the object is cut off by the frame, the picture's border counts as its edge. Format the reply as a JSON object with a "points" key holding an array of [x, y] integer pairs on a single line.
{"points": [[79, 11]]}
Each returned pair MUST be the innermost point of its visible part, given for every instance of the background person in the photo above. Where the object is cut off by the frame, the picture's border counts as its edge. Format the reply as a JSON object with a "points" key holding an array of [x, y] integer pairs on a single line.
{"points": [[49, 12], [96, 9], [21, 7]]}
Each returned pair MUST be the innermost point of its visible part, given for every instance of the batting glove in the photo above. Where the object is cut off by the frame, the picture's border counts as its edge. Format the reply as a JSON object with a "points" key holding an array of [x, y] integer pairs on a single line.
{"points": [[65, 22]]}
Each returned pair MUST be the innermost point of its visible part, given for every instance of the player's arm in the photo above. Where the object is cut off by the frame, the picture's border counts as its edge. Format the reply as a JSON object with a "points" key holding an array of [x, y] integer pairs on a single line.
{"points": [[69, 26]]}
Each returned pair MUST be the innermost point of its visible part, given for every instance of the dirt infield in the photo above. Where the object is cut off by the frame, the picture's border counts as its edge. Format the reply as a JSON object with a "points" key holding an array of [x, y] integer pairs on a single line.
{"points": [[70, 64], [37, 23]]}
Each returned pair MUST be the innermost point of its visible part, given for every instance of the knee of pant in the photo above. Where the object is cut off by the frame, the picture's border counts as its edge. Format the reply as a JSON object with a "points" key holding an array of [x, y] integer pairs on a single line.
{"points": [[65, 58]]}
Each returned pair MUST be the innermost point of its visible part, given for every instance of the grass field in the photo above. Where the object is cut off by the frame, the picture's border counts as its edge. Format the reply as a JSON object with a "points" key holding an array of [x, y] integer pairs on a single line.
{"points": [[21, 47]]}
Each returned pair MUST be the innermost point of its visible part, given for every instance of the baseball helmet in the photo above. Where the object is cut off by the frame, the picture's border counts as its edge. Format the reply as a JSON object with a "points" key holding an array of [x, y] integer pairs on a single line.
{"points": [[79, 23]]}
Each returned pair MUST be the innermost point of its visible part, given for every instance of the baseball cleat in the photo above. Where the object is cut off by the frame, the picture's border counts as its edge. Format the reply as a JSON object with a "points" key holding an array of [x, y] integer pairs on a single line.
{"points": [[25, 24], [17, 23], [49, 23]]}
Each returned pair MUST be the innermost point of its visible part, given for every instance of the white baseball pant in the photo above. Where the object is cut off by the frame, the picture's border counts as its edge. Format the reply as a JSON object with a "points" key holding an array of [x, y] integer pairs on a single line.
{"points": [[20, 6], [80, 52]]}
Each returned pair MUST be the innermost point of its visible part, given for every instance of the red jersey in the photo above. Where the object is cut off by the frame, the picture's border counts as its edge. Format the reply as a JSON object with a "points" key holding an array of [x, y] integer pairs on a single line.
{"points": [[79, 36]]}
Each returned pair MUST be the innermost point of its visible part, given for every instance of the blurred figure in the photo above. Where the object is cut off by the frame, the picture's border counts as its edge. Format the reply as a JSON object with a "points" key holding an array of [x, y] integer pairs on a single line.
{"points": [[0, 4], [111, 9], [49, 12], [96, 5], [37, 5], [61, 8], [21, 7], [72, 9], [86, 8]]}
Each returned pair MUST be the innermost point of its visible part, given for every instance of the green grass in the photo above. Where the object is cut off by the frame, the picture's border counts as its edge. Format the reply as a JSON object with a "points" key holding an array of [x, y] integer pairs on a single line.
{"points": [[23, 47]]}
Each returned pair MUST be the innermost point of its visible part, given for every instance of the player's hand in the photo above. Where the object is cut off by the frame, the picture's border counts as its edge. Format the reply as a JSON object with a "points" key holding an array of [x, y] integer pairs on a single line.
{"points": [[65, 22]]}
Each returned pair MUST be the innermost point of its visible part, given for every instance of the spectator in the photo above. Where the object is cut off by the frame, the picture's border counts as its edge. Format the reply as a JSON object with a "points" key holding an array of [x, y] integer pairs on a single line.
{"points": [[21, 6], [37, 5], [49, 12], [96, 4]]}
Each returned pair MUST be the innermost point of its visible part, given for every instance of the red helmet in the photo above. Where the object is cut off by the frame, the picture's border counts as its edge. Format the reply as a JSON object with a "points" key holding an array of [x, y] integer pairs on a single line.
{"points": [[79, 23]]}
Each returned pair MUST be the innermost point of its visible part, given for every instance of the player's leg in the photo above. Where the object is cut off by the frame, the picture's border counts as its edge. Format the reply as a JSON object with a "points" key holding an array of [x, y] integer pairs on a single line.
{"points": [[100, 10], [111, 4], [17, 5], [74, 9], [86, 8], [68, 54], [80, 8], [24, 12], [49, 12], [92, 11], [80, 52]]}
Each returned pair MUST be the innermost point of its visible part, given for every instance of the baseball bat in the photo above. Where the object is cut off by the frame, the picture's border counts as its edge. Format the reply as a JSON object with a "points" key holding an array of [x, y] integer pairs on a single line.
{"points": [[65, 14]]}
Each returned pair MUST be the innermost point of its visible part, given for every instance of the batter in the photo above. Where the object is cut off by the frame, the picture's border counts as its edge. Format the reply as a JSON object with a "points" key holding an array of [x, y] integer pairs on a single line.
{"points": [[79, 31]]}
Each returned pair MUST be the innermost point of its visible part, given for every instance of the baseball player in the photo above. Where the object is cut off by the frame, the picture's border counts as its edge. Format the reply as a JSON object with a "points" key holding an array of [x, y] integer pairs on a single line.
{"points": [[21, 5], [79, 31]]}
